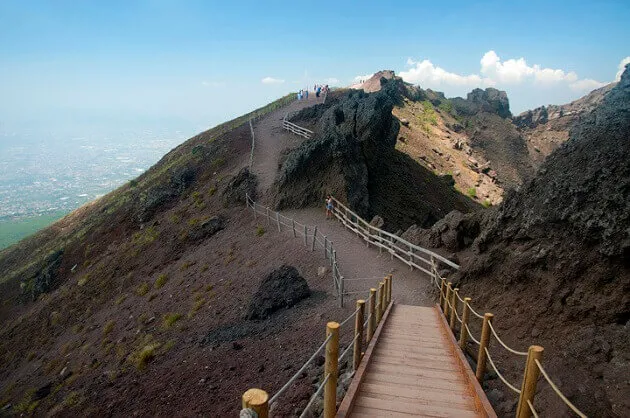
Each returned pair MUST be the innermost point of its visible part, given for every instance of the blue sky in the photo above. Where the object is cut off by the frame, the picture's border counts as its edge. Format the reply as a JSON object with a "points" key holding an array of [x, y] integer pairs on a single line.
{"points": [[192, 64]]}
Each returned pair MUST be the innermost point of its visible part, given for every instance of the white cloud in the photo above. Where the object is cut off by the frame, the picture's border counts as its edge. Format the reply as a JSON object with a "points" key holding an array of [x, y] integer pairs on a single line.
{"points": [[586, 84], [271, 80], [425, 73], [622, 67], [360, 78]]}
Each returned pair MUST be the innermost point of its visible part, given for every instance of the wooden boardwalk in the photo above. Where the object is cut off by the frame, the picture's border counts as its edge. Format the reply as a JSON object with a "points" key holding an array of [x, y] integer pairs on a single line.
{"points": [[414, 367]]}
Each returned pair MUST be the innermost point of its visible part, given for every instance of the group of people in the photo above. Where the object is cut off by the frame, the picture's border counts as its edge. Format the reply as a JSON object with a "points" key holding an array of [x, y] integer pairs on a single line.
{"points": [[317, 88]]}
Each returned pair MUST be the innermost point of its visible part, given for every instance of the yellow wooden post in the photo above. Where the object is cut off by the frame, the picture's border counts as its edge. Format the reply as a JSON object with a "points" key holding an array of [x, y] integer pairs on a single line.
{"points": [[442, 291], [449, 288], [386, 290], [371, 315], [484, 340], [389, 292], [331, 369], [453, 308], [379, 302], [258, 401], [528, 389], [463, 331], [358, 334]]}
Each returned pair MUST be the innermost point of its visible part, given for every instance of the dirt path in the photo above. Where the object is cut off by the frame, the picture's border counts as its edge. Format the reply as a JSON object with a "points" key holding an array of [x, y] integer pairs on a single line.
{"points": [[356, 260]]}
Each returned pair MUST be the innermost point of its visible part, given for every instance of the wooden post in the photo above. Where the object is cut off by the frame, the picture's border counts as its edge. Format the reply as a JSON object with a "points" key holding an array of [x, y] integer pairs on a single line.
{"points": [[358, 334], [305, 236], [314, 238], [267, 212], [485, 339], [380, 249], [379, 302], [386, 298], [391, 283], [449, 288], [463, 331], [325, 247], [371, 315], [258, 401], [334, 255], [410, 257], [391, 248], [454, 308], [341, 291], [293, 227], [528, 389], [278, 221], [331, 369], [442, 292]]}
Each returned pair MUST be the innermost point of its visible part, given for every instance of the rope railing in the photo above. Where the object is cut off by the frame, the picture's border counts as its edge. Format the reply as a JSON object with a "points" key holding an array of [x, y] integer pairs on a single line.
{"points": [[557, 390], [533, 366], [496, 370], [299, 372], [315, 395], [258, 401], [296, 129]]}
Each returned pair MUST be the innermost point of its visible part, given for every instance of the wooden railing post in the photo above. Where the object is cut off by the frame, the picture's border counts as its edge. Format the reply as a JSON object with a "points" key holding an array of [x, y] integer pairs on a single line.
{"points": [[389, 289], [331, 369], [341, 285], [278, 221], [256, 400], [530, 378], [268, 217], [484, 340], [371, 315], [358, 334], [449, 289], [314, 238], [293, 227], [305, 236], [454, 308], [463, 332], [386, 291], [325, 247], [442, 293], [379, 302], [410, 258]]}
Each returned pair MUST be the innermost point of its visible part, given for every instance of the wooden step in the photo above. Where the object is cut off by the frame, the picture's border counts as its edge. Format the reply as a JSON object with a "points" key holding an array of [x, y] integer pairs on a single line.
{"points": [[411, 409], [403, 369]]}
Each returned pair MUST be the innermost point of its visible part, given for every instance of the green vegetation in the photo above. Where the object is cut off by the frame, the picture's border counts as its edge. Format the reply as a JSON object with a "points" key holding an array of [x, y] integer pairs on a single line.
{"points": [[16, 229], [212, 190], [133, 183], [260, 231], [146, 354], [428, 117], [83, 280], [55, 318], [170, 318], [27, 404], [446, 106], [160, 281], [486, 203], [109, 326], [472, 192], [142, 289]]}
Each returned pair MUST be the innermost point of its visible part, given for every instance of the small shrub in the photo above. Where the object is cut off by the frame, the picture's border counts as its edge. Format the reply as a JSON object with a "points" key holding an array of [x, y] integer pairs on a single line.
{"points": [[73, 399], [83, 280], [160, 281], [143, 289], [472, 192], [217, 162], [169, 344], [175, 219], [194, 221], [204, 268], [109, 326], [212, 190], [260, 231], [120, 299], [31, 355], [55, 318], [145, 355], [486, 203], [133, 183], [170, 318]]}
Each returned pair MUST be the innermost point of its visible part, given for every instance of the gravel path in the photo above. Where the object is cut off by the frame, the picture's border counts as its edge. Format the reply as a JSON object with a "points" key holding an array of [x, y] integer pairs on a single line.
{"points": [[356, 260]]}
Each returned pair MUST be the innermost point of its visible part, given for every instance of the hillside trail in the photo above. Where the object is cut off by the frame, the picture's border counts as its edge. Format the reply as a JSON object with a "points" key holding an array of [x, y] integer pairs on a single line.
{"points": [[356, 260]]}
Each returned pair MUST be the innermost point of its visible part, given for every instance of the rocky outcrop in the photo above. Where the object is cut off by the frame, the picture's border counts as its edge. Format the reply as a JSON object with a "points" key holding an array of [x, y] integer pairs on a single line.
{"points": [[46, 279], [489, 100], [283, 287], [244, 183], [351, 139]]}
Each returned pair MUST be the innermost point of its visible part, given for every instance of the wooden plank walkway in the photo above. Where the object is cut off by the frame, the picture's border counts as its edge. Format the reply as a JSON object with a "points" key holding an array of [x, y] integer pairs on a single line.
{"points": [[414, 367]]}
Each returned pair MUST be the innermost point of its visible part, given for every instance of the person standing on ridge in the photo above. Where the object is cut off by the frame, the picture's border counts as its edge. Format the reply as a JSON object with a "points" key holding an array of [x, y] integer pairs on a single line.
{"points": [[329, 207]]}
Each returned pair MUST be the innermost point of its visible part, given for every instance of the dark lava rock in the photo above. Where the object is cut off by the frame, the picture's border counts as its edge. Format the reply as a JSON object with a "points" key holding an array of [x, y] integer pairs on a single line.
{"points": [[42, 392], [47, 278], [182, 178], [283, 287], [489, 100], [206, 228], [243, 183], [155, 198]]}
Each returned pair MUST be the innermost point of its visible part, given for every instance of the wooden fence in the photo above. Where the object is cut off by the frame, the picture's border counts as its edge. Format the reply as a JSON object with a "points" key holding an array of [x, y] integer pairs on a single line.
{"points": [[312, 239], [412, 255], [298, 130]]}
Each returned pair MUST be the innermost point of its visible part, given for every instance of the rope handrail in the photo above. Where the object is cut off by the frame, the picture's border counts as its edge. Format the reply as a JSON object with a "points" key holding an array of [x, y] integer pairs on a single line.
{"points": [[511, 350], [345, 321], [470, 335], [531, 408], [315, 395], [347, 350], [299, 372], [366, 278], [354, 292], [367, 320], [474, 312], [496, 369], [557, 390]]}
